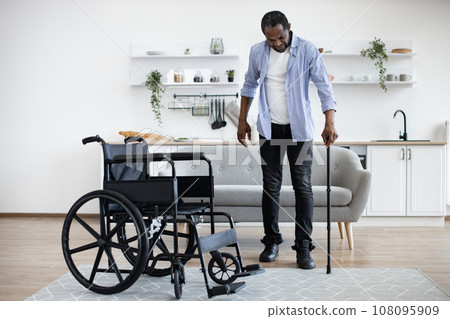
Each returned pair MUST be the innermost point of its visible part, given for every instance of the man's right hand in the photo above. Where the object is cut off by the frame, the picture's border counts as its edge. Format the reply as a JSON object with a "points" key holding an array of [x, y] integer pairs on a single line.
{"points": [[243, 130], [243, 127]]}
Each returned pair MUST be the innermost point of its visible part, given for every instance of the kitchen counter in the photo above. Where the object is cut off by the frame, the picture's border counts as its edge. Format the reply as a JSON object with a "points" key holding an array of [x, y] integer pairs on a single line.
{"points": [[217, 141], [391, 142]]}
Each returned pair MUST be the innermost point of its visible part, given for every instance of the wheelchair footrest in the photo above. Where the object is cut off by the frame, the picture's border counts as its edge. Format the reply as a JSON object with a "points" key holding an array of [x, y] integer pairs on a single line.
{"points": [[217, 240], [249, 270], [225, 289], [110, 270], [254, 269]]}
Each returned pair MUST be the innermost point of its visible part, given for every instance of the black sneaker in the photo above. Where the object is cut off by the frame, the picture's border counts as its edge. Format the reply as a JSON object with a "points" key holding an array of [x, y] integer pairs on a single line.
{"points": [[304, 258], [270, 253]]}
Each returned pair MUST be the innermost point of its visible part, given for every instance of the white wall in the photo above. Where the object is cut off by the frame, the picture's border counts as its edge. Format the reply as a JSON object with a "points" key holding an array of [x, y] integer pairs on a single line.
{"points": [[64, 75]]}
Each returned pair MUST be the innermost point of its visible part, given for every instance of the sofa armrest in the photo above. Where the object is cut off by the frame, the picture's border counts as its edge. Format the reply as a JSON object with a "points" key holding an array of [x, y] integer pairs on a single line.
{"points": [[360, 193], [348, 172]]}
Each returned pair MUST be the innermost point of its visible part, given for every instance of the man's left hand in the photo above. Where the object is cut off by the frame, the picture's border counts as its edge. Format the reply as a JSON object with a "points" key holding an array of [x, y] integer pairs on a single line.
{"points": [[329, 134]]}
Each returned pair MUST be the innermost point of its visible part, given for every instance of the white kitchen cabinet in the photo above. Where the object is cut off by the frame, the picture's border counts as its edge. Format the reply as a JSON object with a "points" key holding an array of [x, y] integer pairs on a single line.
{"points": [[426, 183], [407, 180], [388, 188]]}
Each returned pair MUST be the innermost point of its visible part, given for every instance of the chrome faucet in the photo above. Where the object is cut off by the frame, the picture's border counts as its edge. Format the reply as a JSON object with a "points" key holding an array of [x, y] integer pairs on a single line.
{"points": [[404, 136]]}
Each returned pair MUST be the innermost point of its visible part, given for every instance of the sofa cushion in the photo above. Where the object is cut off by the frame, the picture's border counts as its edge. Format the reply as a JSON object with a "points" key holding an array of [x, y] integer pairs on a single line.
{"points": [[340, 196], [250, 195], [237, 195]]}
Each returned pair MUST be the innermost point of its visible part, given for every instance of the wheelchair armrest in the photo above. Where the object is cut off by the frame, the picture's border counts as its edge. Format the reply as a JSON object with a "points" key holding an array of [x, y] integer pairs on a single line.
{"points": [[186, 156], [136, 157]]}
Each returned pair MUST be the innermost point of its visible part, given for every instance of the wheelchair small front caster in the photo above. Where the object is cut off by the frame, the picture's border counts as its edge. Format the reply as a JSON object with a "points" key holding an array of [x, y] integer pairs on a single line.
{"points": [[222, 267], [178, 280]]}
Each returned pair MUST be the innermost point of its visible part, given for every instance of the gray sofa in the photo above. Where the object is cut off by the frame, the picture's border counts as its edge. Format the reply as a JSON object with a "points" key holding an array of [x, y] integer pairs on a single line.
{"points": [[238, 184]]}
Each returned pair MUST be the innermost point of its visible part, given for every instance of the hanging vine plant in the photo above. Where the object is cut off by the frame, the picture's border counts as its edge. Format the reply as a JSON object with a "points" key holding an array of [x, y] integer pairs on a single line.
{"points": [[154, 84], [377, 52]]}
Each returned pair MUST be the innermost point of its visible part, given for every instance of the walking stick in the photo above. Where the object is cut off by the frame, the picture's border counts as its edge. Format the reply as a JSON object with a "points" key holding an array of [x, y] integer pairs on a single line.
{"points": [[328, 208]]}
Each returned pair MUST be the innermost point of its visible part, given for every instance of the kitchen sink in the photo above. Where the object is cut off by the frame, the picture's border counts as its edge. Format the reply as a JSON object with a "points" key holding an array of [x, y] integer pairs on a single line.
{"points": [[401, 141]]}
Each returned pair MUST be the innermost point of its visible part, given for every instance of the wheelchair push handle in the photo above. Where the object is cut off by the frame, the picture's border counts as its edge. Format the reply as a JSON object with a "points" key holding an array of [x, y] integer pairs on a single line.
{"points": [[92, 139]]}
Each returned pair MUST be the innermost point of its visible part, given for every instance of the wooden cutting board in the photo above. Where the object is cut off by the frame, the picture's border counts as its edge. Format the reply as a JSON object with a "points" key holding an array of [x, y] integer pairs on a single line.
{"points": [[402, 50]]}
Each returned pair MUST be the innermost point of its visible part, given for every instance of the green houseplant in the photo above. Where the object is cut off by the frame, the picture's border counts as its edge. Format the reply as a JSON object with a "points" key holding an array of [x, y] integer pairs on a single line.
{"points": [[377, 52], [230, 74], [153, 83]]}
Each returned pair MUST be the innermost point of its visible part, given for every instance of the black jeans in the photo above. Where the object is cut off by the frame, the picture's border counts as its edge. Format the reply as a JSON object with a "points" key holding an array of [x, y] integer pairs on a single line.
{"points": [[300, 158]]}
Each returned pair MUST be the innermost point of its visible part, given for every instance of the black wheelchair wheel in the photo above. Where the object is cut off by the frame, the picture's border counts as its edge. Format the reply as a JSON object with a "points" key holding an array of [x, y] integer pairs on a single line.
{"points": [[164, 247], [93, 254], [178, 280], [224, 276]]}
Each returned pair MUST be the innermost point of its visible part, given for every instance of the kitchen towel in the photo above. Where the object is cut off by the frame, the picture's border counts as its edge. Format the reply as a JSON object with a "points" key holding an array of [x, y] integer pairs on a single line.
{"points": [[232, 110]]}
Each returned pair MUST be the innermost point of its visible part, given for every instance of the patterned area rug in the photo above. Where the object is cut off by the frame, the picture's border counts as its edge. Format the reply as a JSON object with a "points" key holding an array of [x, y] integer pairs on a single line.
{"points": [[275, 284]]}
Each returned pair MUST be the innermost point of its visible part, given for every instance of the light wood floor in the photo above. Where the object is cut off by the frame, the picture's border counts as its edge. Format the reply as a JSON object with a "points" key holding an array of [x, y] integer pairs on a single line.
{"points": [[31, 256]]}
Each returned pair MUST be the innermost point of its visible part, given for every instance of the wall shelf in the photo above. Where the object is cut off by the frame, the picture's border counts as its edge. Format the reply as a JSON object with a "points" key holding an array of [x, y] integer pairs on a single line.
{"points": [[390, 55], [395, 83], [186, 56], [170, 56], [194, 84], [345, 61]]}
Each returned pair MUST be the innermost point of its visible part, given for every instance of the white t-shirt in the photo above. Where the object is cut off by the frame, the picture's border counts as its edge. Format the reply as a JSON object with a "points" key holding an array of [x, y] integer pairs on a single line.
{"points": [[275, 83]]}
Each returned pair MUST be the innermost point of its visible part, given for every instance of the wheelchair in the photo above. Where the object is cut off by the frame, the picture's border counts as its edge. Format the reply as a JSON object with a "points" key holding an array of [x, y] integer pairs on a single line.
{"points": [[142, 224]]}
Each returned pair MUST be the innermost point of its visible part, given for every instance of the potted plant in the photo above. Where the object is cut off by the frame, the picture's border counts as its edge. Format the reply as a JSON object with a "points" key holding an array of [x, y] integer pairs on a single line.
{"points": [[230, 74], [187, 51], [377, 52], [153, 83]]}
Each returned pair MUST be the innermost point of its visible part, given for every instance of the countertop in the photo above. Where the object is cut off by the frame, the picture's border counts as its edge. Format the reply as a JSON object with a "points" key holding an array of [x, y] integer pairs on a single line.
{"points": [[389, 142], [217, 141]]}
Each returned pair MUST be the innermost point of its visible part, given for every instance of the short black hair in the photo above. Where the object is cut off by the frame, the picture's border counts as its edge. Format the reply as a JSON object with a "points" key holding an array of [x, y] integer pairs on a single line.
{"points": [[273, 18]]}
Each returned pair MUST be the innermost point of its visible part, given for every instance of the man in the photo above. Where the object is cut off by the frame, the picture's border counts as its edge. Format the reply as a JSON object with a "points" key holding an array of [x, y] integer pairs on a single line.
{"points": [[283, 66]]}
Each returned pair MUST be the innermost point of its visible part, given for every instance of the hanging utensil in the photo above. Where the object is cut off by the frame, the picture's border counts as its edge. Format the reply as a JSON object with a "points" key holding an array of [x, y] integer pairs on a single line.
{"points": [[219, 114], [224, 123], [211, 113], [215, 124]]}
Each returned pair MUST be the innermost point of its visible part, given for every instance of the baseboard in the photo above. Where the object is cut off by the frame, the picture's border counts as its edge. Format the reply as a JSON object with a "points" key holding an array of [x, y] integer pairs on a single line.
{"points": [[39, 215], [401, 221], [363, 221]]}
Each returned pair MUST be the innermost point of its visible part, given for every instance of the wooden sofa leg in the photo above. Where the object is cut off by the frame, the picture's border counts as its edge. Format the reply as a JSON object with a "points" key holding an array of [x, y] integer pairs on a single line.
{"points": [[349, 231], [341, 229]]}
